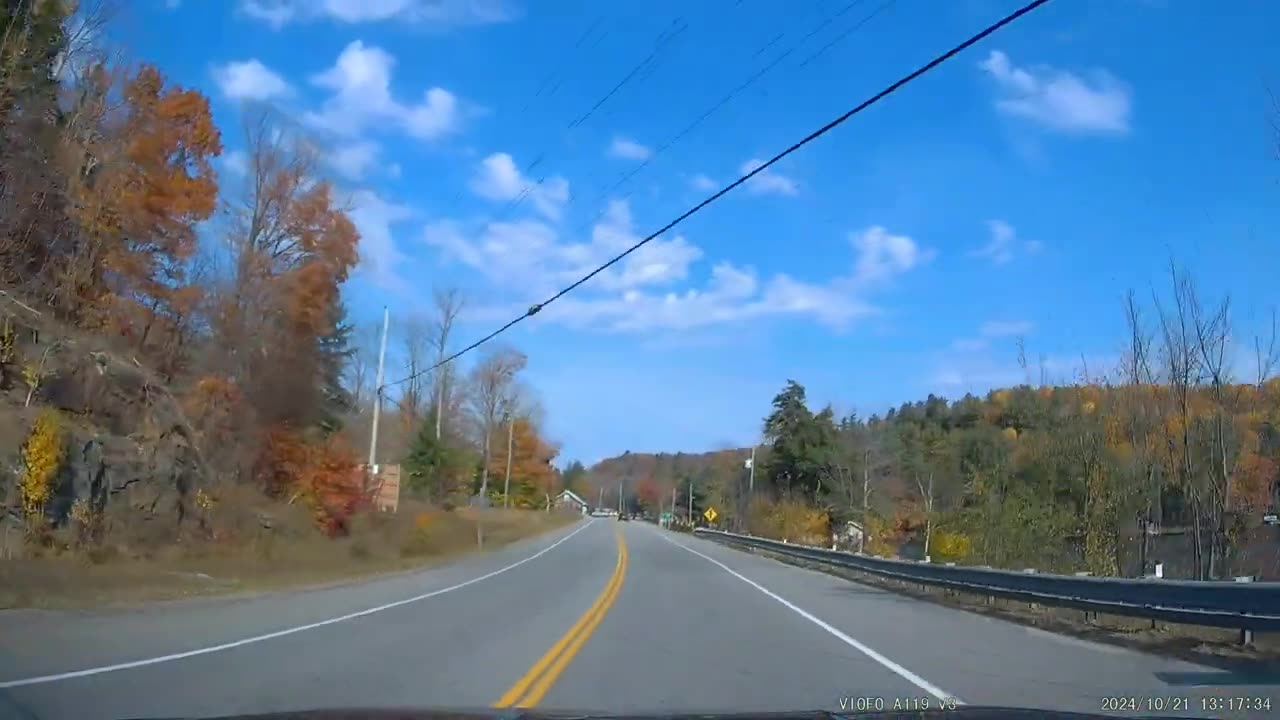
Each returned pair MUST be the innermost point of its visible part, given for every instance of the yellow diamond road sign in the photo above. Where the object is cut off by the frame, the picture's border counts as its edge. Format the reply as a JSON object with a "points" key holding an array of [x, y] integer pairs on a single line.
{"points": [[711, 515]]}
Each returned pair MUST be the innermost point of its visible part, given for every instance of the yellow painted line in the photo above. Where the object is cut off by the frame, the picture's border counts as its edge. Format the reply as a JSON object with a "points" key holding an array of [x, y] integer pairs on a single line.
{"points": [[530, 689]]}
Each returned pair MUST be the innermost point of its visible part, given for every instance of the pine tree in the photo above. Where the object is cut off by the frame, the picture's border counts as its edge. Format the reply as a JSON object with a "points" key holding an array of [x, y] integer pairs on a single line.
{"points": [[334, 351]]}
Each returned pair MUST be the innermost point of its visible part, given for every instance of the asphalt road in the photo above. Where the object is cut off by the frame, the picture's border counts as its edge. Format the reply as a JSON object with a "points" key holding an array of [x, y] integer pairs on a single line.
{"points": [[604, 616]]}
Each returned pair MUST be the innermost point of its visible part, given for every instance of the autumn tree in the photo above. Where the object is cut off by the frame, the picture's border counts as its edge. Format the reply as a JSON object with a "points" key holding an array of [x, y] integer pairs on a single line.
{"points": [[147, 201], [292, 246], [533, 477]]}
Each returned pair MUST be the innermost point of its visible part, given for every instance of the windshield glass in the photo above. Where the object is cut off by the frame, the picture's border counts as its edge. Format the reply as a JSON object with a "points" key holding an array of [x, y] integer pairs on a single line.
{"points": [[639, 358]]}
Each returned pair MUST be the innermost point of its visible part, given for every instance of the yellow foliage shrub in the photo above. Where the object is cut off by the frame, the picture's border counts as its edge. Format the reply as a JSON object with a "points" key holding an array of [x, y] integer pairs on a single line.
{"points": [[42, 455], [204, 500], [950, 546], [880, 537], [791, 521]]}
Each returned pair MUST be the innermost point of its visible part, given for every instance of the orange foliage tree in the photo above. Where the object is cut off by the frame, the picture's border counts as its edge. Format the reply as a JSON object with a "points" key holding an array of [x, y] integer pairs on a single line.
{"points": [[649, 493], [323, 473], [533, 477], [294, 247], [150, 181]]}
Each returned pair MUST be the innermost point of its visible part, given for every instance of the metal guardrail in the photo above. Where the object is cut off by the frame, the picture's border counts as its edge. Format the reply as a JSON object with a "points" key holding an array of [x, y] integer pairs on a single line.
{"points": [[1243, 605]]}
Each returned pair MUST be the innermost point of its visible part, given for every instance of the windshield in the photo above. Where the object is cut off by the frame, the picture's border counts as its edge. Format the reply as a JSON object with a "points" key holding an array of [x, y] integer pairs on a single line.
{"points": [[498, 358]]}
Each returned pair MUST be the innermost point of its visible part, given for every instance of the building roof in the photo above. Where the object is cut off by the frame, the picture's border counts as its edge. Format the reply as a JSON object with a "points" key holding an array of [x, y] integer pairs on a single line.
{"points": [[572, 496]]}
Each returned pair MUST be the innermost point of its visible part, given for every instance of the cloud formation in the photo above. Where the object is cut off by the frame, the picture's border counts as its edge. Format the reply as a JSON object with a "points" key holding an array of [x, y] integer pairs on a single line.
{"points": [[643, 292], [360, 86], [1060, 100], [768, 182], [1004, 244], [497, 178], [249, 80], [629, 149], [430, 13]]}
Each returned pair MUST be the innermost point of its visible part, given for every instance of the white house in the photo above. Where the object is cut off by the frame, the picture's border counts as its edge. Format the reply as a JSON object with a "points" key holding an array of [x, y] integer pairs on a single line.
{"points": [[569, 500]]}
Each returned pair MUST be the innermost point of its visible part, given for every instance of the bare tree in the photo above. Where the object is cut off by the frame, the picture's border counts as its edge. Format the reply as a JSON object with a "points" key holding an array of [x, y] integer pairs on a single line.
{"points": [[1265, 353], [1212, 340], [492, 397], [1142, 416], [1182, 370], [363, 363], [415, 343], [448, 306]]}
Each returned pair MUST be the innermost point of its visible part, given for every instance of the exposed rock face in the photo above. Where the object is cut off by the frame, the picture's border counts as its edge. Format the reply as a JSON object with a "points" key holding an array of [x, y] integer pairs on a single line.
{"points": [[130, 454]]}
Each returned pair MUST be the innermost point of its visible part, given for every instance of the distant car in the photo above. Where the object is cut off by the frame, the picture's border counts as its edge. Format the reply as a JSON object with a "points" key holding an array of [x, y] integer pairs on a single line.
{"points": [[622, 517]]}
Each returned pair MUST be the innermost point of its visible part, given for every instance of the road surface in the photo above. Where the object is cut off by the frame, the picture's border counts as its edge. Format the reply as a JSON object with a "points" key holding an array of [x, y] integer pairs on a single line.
{"points": [[603, 616]]}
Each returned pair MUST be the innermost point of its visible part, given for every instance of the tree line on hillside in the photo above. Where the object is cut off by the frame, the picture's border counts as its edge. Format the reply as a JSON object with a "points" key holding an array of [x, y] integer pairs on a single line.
{"points": [[1068, 477], [115, 223]]}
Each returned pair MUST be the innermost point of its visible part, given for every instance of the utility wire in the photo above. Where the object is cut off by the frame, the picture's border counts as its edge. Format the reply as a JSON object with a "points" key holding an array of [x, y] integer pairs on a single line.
{"points": [[723, 101], [534, 309]]}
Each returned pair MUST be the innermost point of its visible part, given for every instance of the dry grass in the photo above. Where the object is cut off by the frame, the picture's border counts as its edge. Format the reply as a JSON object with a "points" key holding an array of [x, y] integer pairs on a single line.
{"points": [[269, 552]]}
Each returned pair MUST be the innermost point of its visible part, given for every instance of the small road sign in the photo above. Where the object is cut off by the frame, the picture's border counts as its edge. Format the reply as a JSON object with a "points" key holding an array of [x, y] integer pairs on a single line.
{"points": [[711, 514]]}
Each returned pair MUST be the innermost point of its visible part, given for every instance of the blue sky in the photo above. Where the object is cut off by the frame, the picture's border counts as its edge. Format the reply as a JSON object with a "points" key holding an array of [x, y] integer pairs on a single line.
{"points": [[505, 146]]}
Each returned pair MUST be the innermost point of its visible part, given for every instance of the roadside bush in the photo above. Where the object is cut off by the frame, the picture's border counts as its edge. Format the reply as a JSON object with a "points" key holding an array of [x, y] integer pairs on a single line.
{"points": [[790, 520], [42, 456], [947, 546]]}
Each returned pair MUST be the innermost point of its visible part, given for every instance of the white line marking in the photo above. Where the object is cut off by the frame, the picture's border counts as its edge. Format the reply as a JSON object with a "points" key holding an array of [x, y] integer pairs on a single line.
{"points": [[906, 674], [280, 633]]}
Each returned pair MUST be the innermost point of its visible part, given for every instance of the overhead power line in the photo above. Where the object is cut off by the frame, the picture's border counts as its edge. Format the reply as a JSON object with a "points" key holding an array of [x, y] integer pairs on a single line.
{"points": [[534, 309]]}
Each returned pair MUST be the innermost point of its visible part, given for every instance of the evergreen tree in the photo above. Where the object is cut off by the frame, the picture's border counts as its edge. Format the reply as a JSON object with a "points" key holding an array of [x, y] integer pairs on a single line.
{"points": [[333, 352]]}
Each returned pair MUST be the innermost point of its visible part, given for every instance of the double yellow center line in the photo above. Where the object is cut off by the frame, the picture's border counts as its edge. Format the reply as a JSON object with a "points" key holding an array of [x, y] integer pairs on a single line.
{"points": [[530, 689]]}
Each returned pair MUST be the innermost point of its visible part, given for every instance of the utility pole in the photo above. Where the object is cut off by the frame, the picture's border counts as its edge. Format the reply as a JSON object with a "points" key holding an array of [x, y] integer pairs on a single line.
{"points": [[377, 398], [441, 373], [600, 502], [619, 497], [506, 483], [691, 522], [751, 465]]}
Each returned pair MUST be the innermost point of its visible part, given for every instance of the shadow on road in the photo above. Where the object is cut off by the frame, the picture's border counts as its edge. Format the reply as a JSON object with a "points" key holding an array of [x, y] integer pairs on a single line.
{"points": [[1245, 673], [11, 708]]}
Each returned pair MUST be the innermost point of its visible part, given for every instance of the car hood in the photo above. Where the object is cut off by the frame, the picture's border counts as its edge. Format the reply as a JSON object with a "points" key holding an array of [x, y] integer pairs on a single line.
{"points": [[965, 712]]}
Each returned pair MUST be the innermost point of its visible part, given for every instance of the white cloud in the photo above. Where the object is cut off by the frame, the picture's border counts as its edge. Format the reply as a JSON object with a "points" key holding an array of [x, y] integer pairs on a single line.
{"points": [[249, 80], [640, 292], [1006, 328], [380, 256], [499, 179], [1004, 244], [882, 255], [702, 182], [235, 162], [354, 159], [436, 13], [1061, 100], [628, 149], [360, 81], [768, 182], [993, 329]]}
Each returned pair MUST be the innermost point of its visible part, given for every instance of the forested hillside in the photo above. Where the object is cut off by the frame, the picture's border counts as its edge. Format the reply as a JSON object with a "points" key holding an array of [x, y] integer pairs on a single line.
{"points": [[1053, 477], [177, 359]]}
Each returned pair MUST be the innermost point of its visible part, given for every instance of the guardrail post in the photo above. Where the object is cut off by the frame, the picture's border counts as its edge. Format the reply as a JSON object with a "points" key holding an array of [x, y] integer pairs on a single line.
{"points": [[1246, 634]]}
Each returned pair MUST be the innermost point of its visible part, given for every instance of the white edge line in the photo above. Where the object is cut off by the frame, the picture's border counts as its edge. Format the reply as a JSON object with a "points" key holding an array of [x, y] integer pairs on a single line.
{"points": [[280, 633], [906, 674]]}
